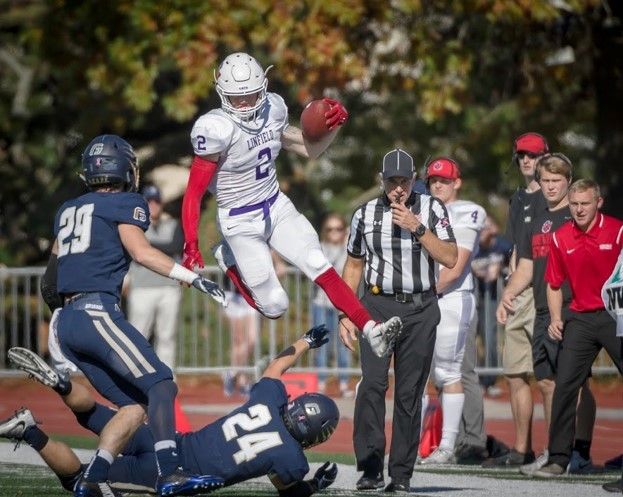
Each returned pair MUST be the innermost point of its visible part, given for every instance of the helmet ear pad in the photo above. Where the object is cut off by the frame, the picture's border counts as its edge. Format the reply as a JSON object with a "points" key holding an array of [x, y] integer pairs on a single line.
{"points": [[311, 418]]}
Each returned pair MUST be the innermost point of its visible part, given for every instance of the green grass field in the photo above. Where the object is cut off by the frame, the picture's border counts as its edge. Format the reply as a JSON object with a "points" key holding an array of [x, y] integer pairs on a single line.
{"points": [[22, 480]]}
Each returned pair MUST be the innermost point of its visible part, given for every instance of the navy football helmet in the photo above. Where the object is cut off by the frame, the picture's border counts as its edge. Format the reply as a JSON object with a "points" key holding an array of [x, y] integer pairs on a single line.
{"points": [[311, 418], [110, 160]]}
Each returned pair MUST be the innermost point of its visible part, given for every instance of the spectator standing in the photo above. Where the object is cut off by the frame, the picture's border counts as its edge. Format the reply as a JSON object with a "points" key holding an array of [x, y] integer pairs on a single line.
{"points": [[489, 264], [333, 238], [97, 235], [237, 146], [525, 204], [396, 243], [455, 289], [154, 300], [584, 253], [554, 175]]}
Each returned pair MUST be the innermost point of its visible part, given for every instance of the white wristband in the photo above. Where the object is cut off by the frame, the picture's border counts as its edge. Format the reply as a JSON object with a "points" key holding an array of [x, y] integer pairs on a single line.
{"points": [[180, 273]]}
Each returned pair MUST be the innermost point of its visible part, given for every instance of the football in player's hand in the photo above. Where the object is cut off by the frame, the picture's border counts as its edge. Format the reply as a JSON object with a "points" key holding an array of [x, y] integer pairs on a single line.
{"points": [[314, 121]]}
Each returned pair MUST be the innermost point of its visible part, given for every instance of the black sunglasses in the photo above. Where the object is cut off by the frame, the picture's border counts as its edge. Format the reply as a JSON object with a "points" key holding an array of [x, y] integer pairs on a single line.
{"points": [[531, 155]]}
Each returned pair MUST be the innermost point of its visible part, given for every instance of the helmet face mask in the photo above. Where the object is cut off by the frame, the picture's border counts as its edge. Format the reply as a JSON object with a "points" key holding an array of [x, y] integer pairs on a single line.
{"points": [[110, 160], [238, 75], [311, 418]]}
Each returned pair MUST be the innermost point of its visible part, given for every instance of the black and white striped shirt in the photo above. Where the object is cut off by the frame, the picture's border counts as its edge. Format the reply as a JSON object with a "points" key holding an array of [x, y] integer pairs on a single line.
{"points": [[396, 261]]}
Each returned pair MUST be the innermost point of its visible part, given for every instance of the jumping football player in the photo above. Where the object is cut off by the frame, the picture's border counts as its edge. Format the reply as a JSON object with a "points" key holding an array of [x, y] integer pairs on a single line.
{"points": [[235, 151], [97, 235], [265, 436]]}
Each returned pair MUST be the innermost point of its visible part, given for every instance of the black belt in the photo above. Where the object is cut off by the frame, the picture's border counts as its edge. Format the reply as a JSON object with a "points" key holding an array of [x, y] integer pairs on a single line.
{"points": [[68, 298], [405, 297]]}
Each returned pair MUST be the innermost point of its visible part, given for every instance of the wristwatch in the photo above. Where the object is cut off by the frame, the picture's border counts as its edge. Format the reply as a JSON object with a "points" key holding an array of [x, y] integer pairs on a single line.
{"points": [[420, 230]]}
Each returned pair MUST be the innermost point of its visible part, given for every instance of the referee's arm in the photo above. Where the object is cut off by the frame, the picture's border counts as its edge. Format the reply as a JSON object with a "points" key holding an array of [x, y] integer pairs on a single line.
{"points": [[443, 251]]}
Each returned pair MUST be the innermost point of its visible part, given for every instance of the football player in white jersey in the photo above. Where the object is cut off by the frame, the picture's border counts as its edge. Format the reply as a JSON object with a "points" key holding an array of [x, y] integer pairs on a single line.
{"points": [[235, 151], [456, 302]]}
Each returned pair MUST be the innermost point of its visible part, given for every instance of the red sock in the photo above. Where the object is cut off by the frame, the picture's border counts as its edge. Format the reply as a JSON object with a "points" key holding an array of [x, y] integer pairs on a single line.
{"points": [[343, 298], [234, 275]]}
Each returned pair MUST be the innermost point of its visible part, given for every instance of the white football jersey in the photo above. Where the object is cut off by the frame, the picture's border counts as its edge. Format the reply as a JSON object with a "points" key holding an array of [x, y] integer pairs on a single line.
{"points": [[466, 219], [246, 168]]}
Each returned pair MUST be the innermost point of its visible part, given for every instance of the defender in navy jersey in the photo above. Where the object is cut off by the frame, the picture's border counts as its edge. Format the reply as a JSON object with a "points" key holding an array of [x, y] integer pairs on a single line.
{"points": [[97, 235], [265, 436]]}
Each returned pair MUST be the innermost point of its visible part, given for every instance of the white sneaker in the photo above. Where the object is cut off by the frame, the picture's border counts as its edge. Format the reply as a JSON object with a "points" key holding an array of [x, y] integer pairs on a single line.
{"points": [[440, 455], [579, 465], [382, 336], [539, 462], [222, 253]]}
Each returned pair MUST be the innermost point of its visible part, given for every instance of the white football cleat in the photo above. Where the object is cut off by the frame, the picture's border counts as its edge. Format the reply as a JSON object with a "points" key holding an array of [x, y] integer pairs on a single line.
{"points": [[382, 336], [35, 366], [15, 426]]}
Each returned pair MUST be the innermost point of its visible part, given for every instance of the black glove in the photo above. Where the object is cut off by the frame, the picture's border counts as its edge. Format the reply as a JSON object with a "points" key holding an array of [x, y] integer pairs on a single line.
{"points": [[325, 475], [206, 286], [316, 337]]}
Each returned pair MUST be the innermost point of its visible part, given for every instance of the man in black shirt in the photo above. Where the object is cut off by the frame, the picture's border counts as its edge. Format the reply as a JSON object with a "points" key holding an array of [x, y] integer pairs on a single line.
{"points": [[525, 205]]}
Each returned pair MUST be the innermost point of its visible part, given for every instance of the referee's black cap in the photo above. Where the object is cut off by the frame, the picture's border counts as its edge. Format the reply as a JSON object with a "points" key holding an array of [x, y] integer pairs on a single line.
{"points": [[397, 163]]}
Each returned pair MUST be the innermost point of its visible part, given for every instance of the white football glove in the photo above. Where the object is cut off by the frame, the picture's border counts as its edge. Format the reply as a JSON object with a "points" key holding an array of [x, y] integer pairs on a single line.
{"points": [[206, 286]]}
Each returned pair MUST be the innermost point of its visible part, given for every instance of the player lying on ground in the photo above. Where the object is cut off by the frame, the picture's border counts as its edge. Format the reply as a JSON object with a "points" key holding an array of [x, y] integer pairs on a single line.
{"points": [[265, 436]]}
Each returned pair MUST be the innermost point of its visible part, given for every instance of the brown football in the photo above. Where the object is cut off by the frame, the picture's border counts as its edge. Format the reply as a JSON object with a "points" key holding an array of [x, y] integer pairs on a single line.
{"points": [[313, 120]]}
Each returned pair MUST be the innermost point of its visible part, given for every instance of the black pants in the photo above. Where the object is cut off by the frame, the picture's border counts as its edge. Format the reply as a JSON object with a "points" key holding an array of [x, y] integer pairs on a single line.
{"points": [[584, 336], [412, 361]]}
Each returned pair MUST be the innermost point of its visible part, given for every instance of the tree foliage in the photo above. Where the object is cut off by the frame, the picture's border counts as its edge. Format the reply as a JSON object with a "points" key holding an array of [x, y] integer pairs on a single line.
{"points": [[441, 77]]}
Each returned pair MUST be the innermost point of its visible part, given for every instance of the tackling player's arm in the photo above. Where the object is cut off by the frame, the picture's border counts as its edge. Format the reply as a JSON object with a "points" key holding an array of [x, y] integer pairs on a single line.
{"points": [[314, 338], [136, 243]]}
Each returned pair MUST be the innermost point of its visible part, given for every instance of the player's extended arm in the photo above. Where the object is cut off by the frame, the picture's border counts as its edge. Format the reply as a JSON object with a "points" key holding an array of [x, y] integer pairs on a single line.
{"points": [[324, 477], [136, 243], [314, 338], [201, 173]]}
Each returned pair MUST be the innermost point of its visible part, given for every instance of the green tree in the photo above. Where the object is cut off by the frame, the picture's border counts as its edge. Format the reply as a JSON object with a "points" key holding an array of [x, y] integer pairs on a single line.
{"points": [[437, 77]]}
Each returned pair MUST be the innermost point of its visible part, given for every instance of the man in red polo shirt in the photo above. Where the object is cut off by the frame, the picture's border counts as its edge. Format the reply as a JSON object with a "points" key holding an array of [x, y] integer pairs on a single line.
{"points": [[583, 252]]}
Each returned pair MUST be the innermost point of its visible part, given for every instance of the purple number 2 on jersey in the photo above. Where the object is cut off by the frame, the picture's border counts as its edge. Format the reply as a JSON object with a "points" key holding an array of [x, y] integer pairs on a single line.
{"points": [[261, 170]]}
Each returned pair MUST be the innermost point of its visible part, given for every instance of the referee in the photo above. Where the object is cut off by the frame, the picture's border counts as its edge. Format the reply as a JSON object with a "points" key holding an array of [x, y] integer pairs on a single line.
{"points": [[397, 242]]}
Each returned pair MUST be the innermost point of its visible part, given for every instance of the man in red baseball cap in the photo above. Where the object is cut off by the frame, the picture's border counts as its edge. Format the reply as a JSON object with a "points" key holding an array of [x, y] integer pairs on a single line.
{"points": [[525, 205]]}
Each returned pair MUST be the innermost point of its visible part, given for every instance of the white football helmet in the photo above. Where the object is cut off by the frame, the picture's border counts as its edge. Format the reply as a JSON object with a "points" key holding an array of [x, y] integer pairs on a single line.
{"points": [[240, 74]]}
